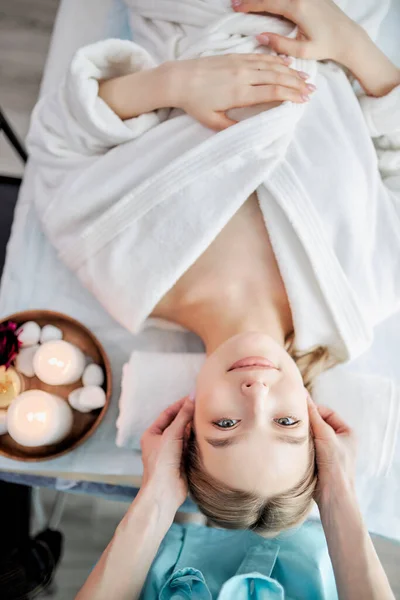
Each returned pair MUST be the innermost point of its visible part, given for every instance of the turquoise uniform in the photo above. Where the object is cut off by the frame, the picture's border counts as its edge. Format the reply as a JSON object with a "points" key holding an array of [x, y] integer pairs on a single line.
{"points": [[200, 563]]}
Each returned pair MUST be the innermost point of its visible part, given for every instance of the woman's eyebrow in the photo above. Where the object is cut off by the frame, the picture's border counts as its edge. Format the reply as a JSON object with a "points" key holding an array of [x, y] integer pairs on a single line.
{"points": [[287, 438], [290, 439], [218, 443]]}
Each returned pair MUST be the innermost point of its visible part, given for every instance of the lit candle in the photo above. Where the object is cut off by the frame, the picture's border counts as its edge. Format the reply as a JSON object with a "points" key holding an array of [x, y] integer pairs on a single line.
{"points": [[36, 418], [59, 363], [10, 386]]}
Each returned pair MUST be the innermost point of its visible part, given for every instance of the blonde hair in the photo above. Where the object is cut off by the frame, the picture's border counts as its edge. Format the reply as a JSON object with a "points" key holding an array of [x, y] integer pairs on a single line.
{"points": [[236, 509]]}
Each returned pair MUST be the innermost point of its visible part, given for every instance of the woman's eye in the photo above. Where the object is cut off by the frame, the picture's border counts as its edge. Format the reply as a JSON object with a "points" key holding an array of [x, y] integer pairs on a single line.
{"points": [[287, 421], [226, 423]]}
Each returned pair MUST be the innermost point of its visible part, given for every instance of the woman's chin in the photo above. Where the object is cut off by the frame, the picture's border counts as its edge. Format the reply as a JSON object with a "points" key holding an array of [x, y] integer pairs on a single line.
{"points": [[251, 343]]}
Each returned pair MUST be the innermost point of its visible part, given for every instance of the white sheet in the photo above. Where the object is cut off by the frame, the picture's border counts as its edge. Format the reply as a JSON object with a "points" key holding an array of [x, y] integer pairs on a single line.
{"points": [[34, 277]]}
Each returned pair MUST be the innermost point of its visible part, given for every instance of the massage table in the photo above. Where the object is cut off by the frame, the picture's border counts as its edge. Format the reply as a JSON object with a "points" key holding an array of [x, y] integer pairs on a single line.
{"points": [[34, 278]]}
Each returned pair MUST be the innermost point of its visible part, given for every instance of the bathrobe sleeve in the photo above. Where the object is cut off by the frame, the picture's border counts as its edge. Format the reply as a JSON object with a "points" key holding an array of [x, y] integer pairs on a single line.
{"points": [[382, 116], [73, 122], [112, 195]]}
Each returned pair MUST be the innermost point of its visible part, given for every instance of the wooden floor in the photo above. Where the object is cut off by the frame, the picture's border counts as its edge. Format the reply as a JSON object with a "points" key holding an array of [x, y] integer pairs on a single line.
{"points": [[87, 523]]}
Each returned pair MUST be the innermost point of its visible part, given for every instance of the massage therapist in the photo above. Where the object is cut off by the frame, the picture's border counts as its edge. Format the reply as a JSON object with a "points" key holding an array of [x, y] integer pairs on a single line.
{"points": [[123, 568]]}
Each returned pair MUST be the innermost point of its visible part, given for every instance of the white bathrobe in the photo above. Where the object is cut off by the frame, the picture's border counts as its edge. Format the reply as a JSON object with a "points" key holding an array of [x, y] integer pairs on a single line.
{"points": [[131, 205]]}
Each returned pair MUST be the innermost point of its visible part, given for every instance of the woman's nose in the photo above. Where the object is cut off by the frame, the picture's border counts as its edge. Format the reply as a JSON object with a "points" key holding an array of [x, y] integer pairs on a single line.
{"points": [[256, 394], [252, 389]]}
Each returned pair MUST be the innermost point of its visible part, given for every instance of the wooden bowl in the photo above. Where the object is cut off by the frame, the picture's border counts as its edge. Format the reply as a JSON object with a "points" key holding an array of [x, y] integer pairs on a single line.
{"points": [[84, 424]]}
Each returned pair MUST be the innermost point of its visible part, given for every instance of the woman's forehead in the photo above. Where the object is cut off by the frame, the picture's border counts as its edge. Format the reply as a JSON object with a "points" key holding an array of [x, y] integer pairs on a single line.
{"points": [[267, 466]]}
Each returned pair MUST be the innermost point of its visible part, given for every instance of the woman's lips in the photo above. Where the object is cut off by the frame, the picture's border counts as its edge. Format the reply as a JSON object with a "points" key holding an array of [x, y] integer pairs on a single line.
{"points": [[253, 361]]}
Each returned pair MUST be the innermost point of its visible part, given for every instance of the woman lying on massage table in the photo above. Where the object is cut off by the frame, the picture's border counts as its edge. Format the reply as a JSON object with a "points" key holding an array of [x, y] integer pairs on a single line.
{"points": [[190, 563], [274, 305]]}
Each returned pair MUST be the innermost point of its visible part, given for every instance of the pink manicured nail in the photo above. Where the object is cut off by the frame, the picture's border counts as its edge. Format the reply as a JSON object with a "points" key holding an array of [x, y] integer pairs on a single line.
{"points": [[286, 59], [263, 38], [311, 87], [305, 98], [236, 3], [303, 75], [192, 396]]}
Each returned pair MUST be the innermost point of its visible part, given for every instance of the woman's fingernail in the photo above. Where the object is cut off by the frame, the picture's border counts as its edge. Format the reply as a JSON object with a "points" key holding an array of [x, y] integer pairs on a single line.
{"points": [[311, 87], [263, 38], [305, 98], [192, 396], [236, 3], [286, 59], [303, 75]]}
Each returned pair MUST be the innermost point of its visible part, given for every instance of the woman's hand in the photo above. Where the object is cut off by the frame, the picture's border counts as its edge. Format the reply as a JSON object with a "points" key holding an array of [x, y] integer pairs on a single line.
{"points": [[335, 446], [325, 31], [162, 448], [207, 87]]}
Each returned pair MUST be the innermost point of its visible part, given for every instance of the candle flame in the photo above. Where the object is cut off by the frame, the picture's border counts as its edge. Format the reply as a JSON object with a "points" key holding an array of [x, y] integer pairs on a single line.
{"points": [[56, 363], [36, 416]]}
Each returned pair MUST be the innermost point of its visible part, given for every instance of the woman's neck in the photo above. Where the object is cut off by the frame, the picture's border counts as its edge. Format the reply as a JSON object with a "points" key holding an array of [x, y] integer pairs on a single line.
{"points": [[234, 287], [218, 315]]}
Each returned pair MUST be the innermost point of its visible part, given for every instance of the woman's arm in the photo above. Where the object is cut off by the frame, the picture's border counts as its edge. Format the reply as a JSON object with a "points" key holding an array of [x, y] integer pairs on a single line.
{"points": [[326, 32], [207, 87], [131, 95], [113, 90], [358, 570], [376, 74], [123, 567]]}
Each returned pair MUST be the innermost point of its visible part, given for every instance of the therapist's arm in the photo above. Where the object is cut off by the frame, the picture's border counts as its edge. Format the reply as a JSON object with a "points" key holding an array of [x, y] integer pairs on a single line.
{"points": [[123, 567], [358, 571]]}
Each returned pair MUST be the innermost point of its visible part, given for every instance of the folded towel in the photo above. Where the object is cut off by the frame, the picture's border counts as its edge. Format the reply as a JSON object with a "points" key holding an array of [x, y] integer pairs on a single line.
{"points": [[368, 403], [151, 381]]}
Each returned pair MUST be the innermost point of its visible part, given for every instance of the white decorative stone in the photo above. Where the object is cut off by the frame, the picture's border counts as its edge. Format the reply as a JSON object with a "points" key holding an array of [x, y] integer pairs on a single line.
{"points": [[59, 363], [87, 398], [24, 360], [74, 400], [50, 333], [93, 375], [3, 422], [92, 396], [29, 334]]}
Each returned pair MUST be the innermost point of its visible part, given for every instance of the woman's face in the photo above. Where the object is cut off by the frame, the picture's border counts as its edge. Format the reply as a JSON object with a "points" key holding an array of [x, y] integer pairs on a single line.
{"points": [[251, 422]]}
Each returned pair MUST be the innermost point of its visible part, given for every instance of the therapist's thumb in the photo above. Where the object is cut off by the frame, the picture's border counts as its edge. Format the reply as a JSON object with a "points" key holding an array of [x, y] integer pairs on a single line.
{"points": [[320, 429], [182, 419]]}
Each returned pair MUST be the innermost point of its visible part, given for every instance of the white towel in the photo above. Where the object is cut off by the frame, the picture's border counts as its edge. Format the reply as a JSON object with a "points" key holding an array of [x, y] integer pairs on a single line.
{"points": [[368, 403], [151, 381]]}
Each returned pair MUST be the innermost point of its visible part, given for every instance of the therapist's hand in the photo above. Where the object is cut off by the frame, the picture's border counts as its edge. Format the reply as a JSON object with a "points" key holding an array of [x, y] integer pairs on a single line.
{"points": [[325, 31], [162, 448], [335, 446]]}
